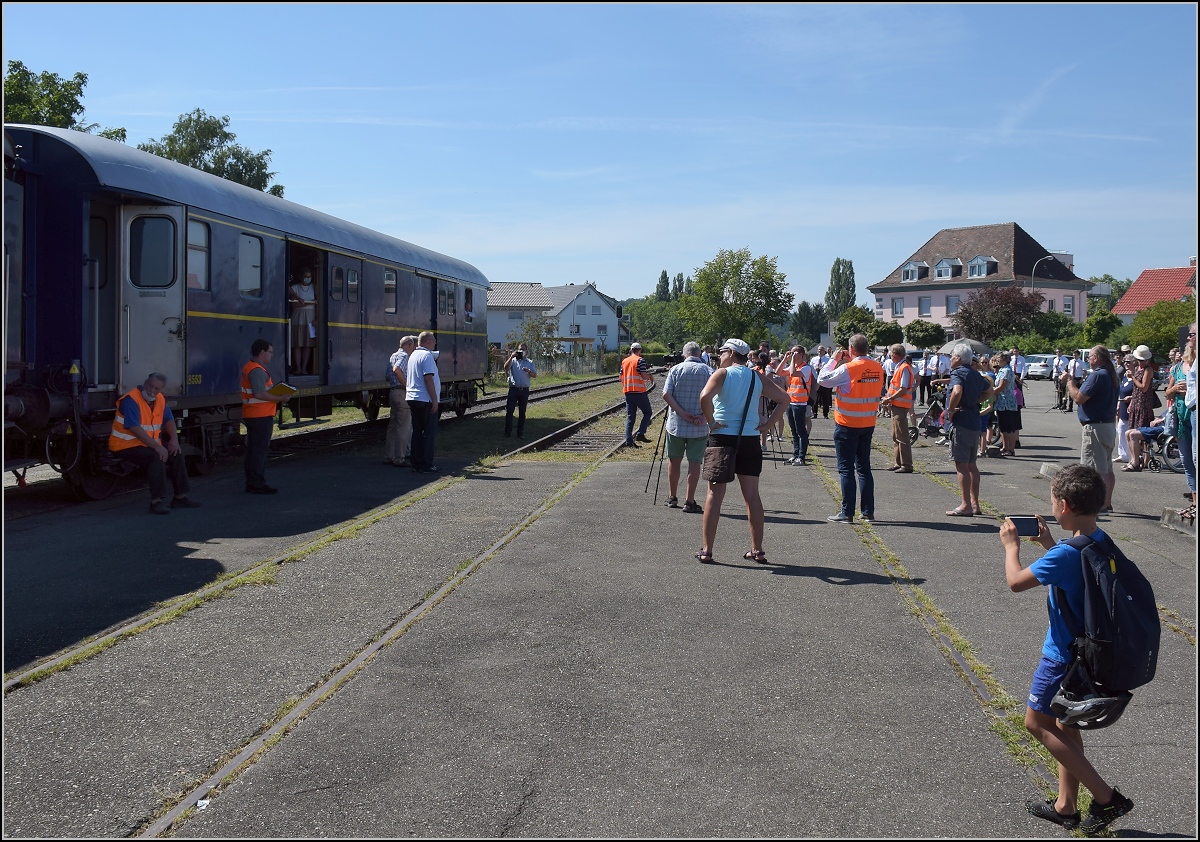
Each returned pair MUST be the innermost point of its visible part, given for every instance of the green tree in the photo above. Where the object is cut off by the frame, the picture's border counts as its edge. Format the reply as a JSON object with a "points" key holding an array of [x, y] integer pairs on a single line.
{"points": [[842, 293], [47, 99], [886, 333], [539, 333], [663, 291], [808, 323], [1107, 302], [677, 287], [652, 320], [1053, 326], [1158, 325], [922, 334], [1100, 324], [855, 319], [995, 311], [205, 143], [735, 295]]}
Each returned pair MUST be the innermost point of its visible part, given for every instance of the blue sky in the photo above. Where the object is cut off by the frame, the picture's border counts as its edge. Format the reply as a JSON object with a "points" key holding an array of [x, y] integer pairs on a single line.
{"points": [[564, 143]]}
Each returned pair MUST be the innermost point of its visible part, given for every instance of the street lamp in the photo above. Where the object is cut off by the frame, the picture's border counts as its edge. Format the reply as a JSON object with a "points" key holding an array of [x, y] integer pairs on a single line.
{"points": [[1033, 274]]}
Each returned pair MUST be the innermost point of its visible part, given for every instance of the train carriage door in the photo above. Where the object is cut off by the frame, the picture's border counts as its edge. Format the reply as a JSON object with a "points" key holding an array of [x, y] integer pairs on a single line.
{"points": [[344, 335], [152, 314], [447, 329]]}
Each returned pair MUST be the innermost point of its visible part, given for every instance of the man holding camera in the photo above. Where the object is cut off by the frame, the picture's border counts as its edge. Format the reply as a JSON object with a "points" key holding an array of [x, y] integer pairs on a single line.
{"points": [[520, 371]]}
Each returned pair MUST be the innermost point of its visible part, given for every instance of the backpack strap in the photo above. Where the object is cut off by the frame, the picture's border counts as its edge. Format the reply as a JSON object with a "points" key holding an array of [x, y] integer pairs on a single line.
{"points": [[1081, 543]]}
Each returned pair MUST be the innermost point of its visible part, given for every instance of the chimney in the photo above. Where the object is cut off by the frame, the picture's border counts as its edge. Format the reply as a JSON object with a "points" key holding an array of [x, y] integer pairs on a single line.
{"points": [[1192, 261]]}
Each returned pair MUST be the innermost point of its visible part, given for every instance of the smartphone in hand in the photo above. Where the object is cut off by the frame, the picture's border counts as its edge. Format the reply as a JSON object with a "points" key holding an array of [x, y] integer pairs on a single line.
{"points": [[1027, 525]]}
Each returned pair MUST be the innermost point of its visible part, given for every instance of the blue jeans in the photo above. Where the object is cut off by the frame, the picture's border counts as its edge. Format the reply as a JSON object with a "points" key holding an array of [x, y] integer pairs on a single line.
{"points": [[1187, 449], [853, 448], [424, 435], [258, 446], [797, 415], [633, 402]]}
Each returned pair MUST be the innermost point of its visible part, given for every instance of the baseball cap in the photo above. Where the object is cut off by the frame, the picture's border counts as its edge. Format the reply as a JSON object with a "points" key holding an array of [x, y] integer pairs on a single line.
{"points": [[737, 346], [636, 345]]}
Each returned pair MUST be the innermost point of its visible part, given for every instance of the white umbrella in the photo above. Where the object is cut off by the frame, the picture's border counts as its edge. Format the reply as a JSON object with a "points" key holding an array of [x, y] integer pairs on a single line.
{"points": [[977, 347]]}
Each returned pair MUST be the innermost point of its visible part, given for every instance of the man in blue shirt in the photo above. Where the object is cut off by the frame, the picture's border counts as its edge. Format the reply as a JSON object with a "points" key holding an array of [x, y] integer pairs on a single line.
{"points": [[967, 388], [1096, 407], [144, 434]]}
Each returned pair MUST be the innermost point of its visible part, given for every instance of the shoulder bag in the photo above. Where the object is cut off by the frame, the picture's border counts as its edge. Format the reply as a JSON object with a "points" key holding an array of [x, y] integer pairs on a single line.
{"points": [[720, 460]]}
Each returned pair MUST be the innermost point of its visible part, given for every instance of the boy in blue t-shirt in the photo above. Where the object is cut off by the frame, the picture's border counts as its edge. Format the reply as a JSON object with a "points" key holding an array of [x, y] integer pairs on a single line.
{"points": [[1076, 495]]}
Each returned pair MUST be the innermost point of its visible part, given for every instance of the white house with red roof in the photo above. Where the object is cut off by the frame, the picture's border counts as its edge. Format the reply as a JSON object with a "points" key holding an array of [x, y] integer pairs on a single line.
{"points": [[1155, 285]]}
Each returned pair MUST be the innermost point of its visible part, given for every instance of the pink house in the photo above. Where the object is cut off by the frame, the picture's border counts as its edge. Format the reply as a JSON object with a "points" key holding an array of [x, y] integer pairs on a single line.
{"points": [[939, 276]]}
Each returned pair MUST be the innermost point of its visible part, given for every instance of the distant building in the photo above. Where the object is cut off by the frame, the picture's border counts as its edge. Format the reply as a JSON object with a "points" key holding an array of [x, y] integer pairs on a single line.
{"points": [[933, 282], [587, 318], [508, 305], [1155, 285]]}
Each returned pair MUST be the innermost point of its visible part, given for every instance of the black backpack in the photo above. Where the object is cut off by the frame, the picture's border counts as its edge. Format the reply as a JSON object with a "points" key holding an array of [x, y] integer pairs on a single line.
{"points": [[1116, 648]]}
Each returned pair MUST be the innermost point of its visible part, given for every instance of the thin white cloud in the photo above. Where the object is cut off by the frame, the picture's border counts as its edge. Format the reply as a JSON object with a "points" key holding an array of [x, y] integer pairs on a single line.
{"points": [[1019, 112]]}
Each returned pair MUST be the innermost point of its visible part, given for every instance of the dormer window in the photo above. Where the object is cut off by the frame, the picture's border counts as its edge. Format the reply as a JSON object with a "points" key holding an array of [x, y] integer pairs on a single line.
{"points": [[914, 270], [948, 267], [981, 267]]}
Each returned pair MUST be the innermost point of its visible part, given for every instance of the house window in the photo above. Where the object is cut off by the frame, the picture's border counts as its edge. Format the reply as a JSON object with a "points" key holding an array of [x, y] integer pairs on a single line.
{"points": [[602, 330], [908, 275], [197, 255], [514, 315], [897, 307], [981, 266], [595, 309], [924, 305], [1068, 305], [574, 330], [951, 305], [914, 270], [948, 267], [878, 305], [250, 251], [580, 309], [1050, 305]]}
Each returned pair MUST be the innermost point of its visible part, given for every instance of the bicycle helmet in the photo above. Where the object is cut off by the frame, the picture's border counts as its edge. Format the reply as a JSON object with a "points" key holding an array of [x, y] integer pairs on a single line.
{"points": [[1088, 712]]}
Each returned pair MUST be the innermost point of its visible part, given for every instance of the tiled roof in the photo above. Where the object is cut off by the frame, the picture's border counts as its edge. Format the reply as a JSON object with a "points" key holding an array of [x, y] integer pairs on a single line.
{"points": [[563, 296], [1014, 250], [518, 295], [1155, 285]]}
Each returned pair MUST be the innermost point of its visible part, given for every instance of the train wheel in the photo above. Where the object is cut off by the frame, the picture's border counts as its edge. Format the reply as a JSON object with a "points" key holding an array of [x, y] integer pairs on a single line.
{"points": [[91, 485], [371, 408], [200, 466]]}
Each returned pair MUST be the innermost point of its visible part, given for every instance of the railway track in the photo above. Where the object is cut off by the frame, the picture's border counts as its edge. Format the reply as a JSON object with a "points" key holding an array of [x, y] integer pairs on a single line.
{"points": [[44, 490]]}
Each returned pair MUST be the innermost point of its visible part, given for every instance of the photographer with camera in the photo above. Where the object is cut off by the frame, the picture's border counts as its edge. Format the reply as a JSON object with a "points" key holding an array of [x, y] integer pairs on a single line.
{"points": [[520, 372]]}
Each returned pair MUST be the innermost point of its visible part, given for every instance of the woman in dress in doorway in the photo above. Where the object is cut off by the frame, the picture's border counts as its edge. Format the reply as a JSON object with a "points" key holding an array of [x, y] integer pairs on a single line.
{"points": [[303, 300]]}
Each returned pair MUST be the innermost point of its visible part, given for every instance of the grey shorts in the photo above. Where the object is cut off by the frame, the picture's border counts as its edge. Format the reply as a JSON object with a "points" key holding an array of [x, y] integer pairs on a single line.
{"points": [[694, 447], [964, 444], [1099, 440]]}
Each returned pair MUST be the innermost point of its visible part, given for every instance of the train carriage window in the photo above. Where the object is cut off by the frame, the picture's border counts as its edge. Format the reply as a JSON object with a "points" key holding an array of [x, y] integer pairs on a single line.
{"points": [[339, 283], [352, 285], [468, 306], [250, 252], [389, 290], [441, 302], [451, 302], [197, 255], [152, 251]]}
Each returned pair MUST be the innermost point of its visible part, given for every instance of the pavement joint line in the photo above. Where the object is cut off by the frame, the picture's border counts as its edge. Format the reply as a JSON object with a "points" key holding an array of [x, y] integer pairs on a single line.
{"points": [[188, 602], [995, 702], [230, 770]]}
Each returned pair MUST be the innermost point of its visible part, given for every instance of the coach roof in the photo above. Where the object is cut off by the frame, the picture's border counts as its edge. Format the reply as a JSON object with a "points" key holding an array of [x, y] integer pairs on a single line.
{"points": [[128, 169]]}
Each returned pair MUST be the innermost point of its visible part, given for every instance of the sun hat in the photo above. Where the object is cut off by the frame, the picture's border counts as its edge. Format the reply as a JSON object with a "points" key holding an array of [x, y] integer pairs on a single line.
{"points": [[1125, 349], [737, 346], [1143, 352]]}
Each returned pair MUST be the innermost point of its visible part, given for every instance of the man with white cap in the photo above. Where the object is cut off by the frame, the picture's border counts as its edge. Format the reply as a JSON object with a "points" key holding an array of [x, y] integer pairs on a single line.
{"points": [[636, 383]]}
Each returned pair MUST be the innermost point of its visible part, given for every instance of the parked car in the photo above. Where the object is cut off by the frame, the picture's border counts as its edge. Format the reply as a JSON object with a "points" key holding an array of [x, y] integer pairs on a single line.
{"points": [[1039, 367]]}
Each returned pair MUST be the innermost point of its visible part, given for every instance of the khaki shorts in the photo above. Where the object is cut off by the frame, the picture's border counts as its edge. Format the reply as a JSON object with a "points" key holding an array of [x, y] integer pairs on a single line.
{"points": [[1099, 440], [677, 446]]}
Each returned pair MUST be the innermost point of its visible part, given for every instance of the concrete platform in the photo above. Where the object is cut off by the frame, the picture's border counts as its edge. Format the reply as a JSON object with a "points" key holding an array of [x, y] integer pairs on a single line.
{"points": [[591, 678]]}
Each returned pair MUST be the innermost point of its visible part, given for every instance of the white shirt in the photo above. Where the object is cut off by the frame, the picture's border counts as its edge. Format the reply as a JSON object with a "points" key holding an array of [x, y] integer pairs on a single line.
{"points": [[1060, 365], [420, 363], [1020, 366], [1075, 368], [943, 364]]}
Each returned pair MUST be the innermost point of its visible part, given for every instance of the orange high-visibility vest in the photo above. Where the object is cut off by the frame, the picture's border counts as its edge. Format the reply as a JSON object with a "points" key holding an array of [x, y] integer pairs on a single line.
{"points": [[798, 388], [151, 422], [632, 380], [861, 405], [252, 407], [899, 400]]}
